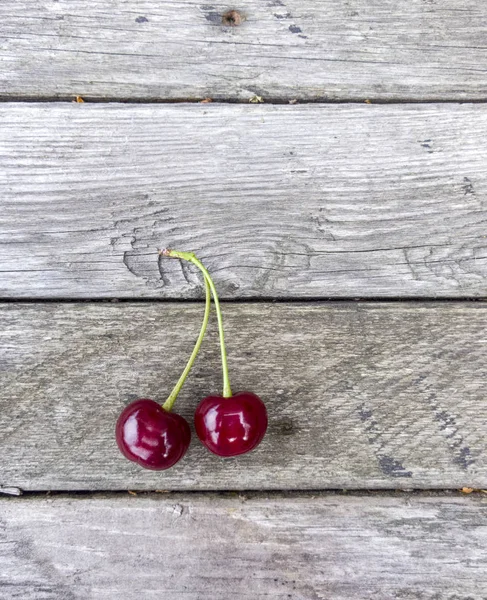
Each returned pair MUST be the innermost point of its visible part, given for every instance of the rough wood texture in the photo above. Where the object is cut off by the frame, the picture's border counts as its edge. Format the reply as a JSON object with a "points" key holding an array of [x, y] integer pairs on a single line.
{"points": [[299, 201], [201, 547], [359, 395], [285, 49]]}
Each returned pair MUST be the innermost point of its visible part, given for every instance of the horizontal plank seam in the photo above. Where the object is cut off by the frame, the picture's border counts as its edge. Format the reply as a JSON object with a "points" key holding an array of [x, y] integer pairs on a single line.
{"points": [[250, 300], [394, 493], [218, 100]]}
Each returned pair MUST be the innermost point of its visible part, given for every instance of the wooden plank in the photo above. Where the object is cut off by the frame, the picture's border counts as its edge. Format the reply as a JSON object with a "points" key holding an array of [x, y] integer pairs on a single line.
{"points": [[200, 547], [285, 49], [359, 395], [280, 201]]}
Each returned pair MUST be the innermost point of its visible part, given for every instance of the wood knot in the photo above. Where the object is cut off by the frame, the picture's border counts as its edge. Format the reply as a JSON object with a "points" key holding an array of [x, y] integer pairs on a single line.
{"points": [[232, 18]]}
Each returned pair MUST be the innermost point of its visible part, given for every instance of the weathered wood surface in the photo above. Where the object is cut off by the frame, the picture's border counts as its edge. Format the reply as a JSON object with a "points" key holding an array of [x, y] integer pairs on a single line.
{"points": [[359, 395], [281, 201], [285, 49], [212, 548]]}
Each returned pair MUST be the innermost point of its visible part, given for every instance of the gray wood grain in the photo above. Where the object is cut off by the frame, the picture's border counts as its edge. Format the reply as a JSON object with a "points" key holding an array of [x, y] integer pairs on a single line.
{"points": [[280, 201], [359, 395], [285, 49], [212, 548]]}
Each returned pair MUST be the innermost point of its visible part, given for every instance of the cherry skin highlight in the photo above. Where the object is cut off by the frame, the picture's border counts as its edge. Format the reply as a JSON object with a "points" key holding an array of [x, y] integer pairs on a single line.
{"points": [[151, 436], [231, 426]]}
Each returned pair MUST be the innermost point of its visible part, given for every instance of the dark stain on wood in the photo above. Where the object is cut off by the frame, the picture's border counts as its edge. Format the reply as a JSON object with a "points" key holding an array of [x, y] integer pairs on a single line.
{"points": [[393, 467]]}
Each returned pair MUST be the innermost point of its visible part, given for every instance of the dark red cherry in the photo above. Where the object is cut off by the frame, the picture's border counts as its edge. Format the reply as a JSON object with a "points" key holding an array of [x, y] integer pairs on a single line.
{"points": [[151, 436], [231, 426]]}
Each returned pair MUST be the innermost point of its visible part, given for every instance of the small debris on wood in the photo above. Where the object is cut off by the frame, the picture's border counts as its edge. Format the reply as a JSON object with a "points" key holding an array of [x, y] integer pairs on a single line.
{"points": [[132, 493], [467, 490], [256, 100], [79, 100], [293, 101], [206, 101], [11, 491], [368, 101]]}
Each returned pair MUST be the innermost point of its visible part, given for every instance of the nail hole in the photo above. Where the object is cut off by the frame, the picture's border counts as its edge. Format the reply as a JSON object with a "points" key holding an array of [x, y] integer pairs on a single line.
{"points": [[232, 18]]}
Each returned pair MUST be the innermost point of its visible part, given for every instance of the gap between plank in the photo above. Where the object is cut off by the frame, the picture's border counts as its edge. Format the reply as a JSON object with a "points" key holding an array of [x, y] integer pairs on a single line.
{"points": [[218, 100], [250, 300], [244, 494]]}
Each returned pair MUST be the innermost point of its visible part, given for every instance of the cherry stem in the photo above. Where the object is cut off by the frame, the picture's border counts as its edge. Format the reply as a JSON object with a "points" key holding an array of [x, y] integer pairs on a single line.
{"points": [[169, 403], [190, 257]]}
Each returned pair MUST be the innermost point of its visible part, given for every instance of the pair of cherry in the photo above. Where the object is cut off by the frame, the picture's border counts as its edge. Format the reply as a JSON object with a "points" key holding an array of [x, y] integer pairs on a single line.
{"points": [[156, 438]]}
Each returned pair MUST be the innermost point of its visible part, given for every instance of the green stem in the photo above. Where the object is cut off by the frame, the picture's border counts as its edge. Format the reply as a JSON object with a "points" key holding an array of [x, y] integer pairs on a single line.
{"points": [[190, 257], [169, 403]]}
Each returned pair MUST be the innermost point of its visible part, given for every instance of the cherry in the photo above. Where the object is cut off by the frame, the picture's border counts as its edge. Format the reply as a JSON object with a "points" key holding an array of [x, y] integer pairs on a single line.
{"points": [[151, 436], [231, 426], [148, 433]]}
